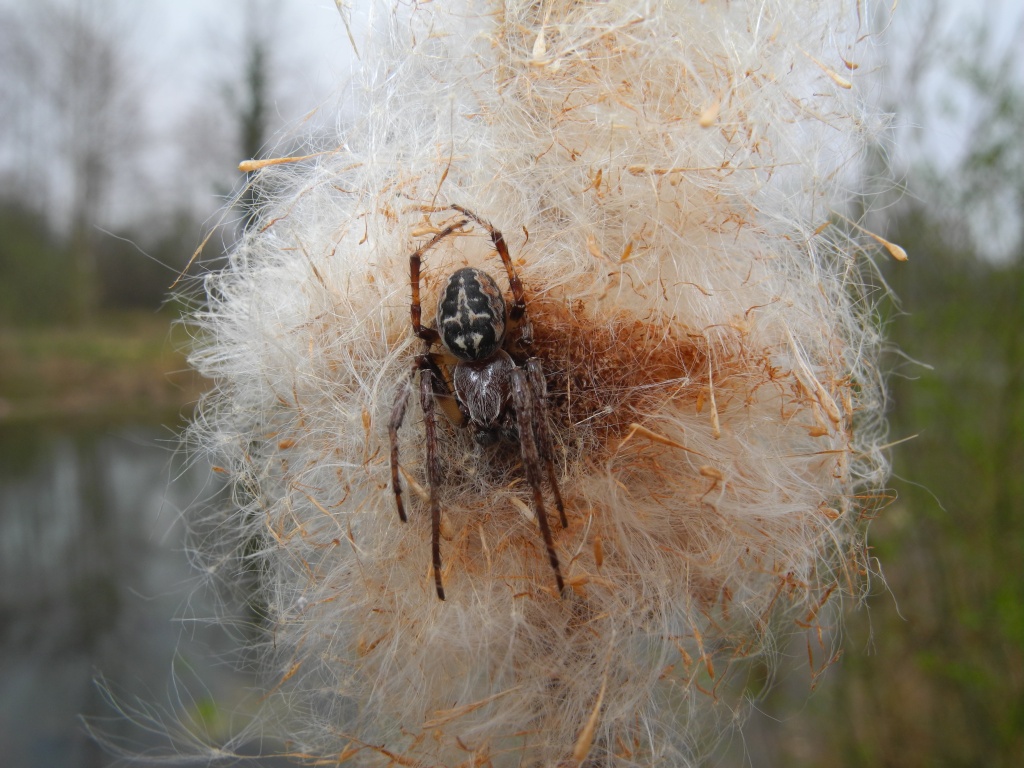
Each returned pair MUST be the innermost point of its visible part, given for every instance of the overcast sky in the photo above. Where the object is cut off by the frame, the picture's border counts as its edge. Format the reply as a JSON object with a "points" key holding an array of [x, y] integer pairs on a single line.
{"points": [[189, 45], [183, 62], [194, 50], [186, 56]]}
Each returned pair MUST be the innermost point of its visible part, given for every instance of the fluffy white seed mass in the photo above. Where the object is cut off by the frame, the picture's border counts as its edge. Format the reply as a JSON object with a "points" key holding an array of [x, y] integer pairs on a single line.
{"points": [[664, 174]]}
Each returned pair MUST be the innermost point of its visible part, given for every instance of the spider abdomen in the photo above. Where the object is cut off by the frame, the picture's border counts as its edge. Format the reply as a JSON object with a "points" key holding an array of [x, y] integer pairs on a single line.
{"points": [[471, 315]]}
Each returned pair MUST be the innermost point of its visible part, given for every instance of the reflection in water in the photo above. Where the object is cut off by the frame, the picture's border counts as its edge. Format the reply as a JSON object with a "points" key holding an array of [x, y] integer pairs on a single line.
{"points": [[93, 574]]}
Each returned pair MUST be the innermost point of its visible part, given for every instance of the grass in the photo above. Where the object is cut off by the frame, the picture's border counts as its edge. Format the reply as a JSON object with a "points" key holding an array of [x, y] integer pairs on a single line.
{"points": [[123, 367]]}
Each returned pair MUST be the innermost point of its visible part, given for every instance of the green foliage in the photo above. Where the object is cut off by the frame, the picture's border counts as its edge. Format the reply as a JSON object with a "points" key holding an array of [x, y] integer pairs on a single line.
{"points": [[958, 524], [934, 669], [134, 268], [123, 367], [35, 278]]}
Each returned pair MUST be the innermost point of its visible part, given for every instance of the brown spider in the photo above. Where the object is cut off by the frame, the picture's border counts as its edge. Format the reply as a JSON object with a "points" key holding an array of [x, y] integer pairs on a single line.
{"points": [[476, 382]]}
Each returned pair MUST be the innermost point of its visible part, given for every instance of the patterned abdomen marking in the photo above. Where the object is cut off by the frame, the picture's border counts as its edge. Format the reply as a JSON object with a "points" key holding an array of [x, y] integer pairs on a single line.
{"points": [[471, 315]]}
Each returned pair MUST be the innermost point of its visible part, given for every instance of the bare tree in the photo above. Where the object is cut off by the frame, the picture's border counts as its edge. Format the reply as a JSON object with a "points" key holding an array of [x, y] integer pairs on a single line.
{"points": [[70, 104], [250, 100]]}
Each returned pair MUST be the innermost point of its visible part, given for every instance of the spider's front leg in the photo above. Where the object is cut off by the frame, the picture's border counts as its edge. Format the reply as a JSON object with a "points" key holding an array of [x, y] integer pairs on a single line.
{"points": [[539, 389], [427, 392], [530, 412], [395, 424], [432, 384]]}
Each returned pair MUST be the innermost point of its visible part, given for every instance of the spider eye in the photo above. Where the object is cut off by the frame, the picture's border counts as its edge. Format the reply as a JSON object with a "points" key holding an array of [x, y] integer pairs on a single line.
{"points": [[471, 315]]}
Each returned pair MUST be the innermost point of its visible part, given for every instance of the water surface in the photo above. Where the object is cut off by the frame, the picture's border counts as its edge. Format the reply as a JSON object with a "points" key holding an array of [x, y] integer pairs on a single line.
{"points": [[95, 581]]}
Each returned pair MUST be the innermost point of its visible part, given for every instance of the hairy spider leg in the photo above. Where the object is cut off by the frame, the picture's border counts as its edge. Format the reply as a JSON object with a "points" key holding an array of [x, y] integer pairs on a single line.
{"points": [[449, 404], [397, 417], [427, 389], [429, 335], [535, 378], [517, 316], [526, 419]]}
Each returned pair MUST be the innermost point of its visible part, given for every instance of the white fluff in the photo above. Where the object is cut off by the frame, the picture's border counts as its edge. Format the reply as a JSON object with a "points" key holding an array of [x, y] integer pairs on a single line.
{"points": [[674, 165]]}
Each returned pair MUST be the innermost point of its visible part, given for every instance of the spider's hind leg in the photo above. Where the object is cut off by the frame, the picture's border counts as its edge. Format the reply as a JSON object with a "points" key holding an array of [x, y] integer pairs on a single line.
{"points": [[517, 316]]}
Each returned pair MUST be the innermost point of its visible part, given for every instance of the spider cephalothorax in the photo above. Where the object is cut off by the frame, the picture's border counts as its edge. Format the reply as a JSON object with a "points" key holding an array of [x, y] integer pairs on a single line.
{"points": [[477, 382]]}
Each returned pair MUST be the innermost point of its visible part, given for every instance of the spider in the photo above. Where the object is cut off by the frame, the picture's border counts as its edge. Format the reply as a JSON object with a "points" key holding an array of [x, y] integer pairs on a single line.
{"points": [[476, 382]]}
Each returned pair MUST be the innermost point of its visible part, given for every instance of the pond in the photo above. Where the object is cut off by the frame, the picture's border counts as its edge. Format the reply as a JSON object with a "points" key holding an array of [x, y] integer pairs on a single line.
{"points": [[96, 584]]}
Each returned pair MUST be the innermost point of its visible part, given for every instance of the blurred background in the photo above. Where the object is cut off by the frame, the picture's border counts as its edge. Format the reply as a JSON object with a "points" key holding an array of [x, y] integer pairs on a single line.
{"points": [[121, 125]]}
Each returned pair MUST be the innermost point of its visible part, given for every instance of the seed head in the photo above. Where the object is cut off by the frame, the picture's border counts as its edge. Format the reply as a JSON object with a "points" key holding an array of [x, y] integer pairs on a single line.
{"points": [[661, 173]]}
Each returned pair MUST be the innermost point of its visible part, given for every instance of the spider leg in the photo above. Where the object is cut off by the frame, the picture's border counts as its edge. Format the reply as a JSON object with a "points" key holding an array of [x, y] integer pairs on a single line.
{"points": [[444, 387], [517, 312], [538, 388], [429, 335], [397, 417], [524, 398], [427, 392], [432, 386]]}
